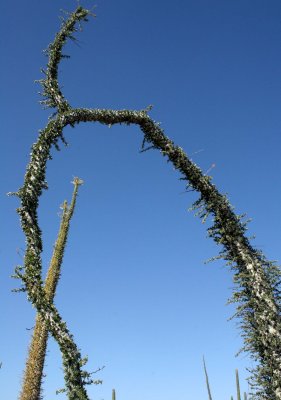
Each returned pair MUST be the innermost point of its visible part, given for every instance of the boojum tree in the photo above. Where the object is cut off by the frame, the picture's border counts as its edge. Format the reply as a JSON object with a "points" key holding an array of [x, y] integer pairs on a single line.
{"points": [[256, 278], [33, 374]]}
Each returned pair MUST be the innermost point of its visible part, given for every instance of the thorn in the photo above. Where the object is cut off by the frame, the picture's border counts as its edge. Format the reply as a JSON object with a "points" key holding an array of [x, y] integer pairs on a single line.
{"points": [[211, 167]]}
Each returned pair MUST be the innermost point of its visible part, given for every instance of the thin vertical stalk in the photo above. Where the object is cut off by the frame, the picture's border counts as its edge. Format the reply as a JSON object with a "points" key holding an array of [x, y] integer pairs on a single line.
{"points": [[237, 385], [207, 380]]}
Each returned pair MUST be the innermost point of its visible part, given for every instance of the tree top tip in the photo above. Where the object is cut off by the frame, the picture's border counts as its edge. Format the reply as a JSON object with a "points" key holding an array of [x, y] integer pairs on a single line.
{"points": [[77, 181]]}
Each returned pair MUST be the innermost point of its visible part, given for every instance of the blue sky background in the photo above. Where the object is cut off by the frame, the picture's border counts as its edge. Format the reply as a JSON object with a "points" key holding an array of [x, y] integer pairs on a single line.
{"points": [[134, 290]]}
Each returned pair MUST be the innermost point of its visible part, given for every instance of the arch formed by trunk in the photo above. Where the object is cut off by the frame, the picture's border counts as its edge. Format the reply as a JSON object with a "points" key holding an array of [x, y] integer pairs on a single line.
{"points": [[256, 278]]}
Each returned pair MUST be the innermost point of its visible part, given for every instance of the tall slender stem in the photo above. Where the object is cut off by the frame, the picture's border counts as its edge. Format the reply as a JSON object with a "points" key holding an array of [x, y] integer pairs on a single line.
{"points": [[237, 385], [207, 380]]}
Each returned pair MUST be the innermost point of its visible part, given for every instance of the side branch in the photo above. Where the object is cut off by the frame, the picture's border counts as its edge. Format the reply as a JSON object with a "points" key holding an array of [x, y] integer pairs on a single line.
{"points": [[51, 91]]}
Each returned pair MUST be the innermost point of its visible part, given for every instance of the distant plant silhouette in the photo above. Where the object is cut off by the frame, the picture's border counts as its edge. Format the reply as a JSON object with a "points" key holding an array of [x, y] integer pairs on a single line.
{"points": [[238, 393], [207, 380], [257, 279]]}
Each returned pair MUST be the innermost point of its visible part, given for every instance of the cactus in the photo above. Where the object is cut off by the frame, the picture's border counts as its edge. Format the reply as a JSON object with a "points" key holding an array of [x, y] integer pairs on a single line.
{"points": [[113, 394]]}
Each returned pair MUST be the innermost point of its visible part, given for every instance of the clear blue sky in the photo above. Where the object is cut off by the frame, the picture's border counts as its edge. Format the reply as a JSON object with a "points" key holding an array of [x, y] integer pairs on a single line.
{"points": [[134, 290]]}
